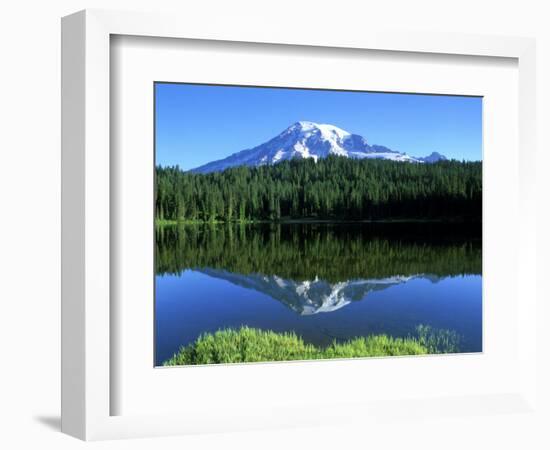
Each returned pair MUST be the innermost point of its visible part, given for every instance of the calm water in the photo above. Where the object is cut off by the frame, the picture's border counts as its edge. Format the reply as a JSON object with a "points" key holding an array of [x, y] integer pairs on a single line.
{"points": [[325, 282]]}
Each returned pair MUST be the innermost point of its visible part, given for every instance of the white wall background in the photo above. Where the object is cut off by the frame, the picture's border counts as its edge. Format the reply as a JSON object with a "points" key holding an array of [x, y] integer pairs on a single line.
{"points": [[30, 200]]}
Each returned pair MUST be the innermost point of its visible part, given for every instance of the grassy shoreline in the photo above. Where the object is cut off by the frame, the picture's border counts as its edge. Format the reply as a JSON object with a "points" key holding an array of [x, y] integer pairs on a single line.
{"points": [[254, 345], [171, 222]]}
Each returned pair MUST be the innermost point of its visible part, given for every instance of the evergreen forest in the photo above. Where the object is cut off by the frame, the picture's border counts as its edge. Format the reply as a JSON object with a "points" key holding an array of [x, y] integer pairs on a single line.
{"points": [[334, 188]]}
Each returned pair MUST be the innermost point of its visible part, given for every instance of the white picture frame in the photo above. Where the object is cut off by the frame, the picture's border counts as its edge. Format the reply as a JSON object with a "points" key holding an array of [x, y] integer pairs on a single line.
{"points": [[87, 328]]}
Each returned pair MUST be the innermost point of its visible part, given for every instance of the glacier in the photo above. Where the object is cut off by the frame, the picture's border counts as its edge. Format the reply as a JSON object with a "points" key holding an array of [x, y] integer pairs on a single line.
{"points": [[304, 140]]}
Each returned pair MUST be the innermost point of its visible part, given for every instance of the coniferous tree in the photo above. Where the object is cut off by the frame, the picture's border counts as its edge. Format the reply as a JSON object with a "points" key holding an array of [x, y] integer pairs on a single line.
{"points": [[334, 188]]}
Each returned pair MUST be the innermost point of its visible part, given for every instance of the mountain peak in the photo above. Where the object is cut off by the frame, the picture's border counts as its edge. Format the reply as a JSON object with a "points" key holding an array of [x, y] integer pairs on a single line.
{"points": [[303, 125], [326, 130], [434, 157], [311, 140]]}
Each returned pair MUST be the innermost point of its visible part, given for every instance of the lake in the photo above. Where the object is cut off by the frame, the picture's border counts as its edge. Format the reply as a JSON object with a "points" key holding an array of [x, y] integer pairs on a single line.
{"points": [[324, 281]]}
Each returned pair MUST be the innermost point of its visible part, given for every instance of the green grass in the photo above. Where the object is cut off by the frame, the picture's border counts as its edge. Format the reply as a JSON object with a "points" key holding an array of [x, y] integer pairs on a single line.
{"points": [[287, 220], [253, 345], [437, 340], [163, 222], [171, 222]]}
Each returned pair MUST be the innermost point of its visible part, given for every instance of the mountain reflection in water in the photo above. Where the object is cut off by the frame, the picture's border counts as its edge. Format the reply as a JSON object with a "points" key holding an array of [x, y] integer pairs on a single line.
{"points": [[309, 296]]}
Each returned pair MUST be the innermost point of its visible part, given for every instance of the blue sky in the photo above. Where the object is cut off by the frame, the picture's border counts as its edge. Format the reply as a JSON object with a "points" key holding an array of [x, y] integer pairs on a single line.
{"points": [[196, 124]]}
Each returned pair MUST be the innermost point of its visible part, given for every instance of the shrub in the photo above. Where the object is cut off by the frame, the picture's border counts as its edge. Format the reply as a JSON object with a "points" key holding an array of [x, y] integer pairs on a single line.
{"points": [[253, 345], [438, 340]]}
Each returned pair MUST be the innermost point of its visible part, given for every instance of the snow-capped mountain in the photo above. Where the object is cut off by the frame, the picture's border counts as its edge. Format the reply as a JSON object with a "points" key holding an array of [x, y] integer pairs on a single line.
{"points": [[311, 296], [311, 140]]}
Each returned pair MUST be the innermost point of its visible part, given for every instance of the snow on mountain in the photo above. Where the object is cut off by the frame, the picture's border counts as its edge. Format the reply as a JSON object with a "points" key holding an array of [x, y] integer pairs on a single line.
{"points": [[310, 296], [311, 140]]}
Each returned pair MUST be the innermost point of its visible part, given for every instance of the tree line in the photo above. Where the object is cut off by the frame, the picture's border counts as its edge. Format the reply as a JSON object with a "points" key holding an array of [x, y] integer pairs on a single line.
{"points": [[334, 188]]}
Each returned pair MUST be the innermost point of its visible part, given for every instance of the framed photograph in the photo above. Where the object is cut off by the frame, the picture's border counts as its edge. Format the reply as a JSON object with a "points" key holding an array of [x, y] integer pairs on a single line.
{"points": [[315, 244], [268, 229]]}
